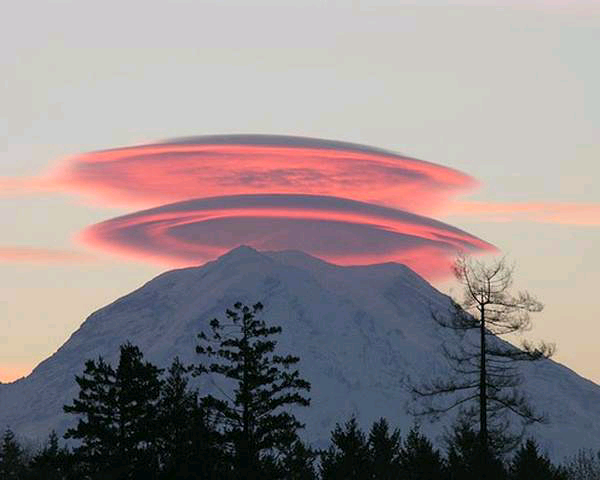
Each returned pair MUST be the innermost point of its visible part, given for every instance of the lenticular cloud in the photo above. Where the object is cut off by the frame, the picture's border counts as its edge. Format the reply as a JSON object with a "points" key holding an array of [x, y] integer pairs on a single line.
{"points": [[346, 203], [339, 230], [241, 164]]}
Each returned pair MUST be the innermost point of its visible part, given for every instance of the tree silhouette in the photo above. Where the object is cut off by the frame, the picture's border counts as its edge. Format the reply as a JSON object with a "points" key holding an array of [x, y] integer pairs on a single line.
{"points": [[117, 416], [529, 463], [384, 451], [254, 420], [486, 380], [52, 462], [348, 458], [188, 443], [464, 459], [419, 460], [12, 462]]}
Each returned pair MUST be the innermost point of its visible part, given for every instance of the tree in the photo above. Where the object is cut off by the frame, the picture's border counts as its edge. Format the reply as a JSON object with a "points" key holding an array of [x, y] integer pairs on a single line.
{"points": [[52, 462], [384, 450], [464, 459], [486, 367], [298, 462], [528, 463], [585, 465], [419, 460], [254, 420], [188, 440], [12, 462], [117, 409], [348, 458], [177, 414]]}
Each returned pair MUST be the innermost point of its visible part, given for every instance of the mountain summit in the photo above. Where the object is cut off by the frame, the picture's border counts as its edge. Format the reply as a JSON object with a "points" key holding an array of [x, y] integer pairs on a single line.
{"points": [[359, 332]]}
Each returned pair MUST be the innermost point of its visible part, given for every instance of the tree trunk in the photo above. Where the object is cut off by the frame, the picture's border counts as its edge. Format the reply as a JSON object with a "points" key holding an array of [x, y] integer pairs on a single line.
{"points": [[483, 429]]}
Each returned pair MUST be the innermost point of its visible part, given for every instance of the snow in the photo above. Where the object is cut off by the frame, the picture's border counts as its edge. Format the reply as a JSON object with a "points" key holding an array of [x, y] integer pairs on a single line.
{"points": [[359, 332]]}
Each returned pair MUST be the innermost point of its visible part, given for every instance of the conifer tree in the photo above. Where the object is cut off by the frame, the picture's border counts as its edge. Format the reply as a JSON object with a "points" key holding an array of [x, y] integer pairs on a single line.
{"points": [[464, 458], [298, 463], [348, 458], [419, 460], [117, 416], [52, 462], [177, 414], [12, 462], [188, 440], [254, 419], [528, 463], [384, 449]]}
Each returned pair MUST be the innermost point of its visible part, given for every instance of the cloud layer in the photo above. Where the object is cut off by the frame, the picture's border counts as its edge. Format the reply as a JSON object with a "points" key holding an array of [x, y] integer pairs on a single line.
{"points": [[339, 230], [244, 164]]}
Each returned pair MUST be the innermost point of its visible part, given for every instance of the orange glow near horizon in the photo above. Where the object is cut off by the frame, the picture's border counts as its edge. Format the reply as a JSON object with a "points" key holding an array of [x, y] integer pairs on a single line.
{"points": [[10, 373]]}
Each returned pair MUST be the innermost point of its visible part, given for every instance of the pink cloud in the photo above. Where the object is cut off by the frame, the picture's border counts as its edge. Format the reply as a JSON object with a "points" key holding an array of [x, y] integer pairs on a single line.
{"points": [[338, 230], [245, 164]]}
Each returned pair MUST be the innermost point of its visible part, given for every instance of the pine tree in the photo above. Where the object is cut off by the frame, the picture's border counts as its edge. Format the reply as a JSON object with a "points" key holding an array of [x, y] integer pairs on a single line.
{"points": [[52, 462], [188, 440], [12, 462], [348, 458], [298, 463], [419, 460], [529, 464], [384, 449], [464, 458], [254, 420], [117, 416], [176, 412]]}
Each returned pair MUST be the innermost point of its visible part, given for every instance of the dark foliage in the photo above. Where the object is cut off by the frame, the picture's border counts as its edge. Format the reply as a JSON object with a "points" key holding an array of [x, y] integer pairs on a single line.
{"points": [[384, 451], [254, 423], [348, 458], [529, 463], [465, 458], [117, 417], [419, 460], [12, 460]]}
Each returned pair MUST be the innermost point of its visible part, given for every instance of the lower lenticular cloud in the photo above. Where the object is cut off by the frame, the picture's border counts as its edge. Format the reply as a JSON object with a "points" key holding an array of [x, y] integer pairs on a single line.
{"points": [[209, 166], [339, 230]]}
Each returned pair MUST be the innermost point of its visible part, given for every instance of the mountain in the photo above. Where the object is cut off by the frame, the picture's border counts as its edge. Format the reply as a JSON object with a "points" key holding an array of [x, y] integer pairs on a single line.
{"points": [[359, 332]]}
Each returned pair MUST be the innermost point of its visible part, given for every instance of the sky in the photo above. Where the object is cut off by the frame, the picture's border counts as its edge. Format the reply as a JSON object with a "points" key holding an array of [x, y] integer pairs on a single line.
{"points": [[491, 110]]}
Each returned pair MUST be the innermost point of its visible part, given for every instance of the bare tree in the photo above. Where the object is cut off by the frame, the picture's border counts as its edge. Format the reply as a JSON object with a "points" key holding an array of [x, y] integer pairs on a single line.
{"points": [[486, 370]]}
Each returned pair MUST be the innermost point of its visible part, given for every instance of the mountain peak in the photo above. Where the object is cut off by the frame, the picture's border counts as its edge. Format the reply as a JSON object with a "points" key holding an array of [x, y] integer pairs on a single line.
{"points": [[243, 251]]}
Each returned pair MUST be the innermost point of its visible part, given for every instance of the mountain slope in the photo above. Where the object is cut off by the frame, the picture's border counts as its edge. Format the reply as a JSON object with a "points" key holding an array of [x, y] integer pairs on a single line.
{"points": [[359, 332]]}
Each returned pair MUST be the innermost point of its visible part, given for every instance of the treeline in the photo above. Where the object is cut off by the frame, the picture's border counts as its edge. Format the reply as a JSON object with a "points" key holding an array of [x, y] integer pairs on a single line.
{"points": [[137, 421]]}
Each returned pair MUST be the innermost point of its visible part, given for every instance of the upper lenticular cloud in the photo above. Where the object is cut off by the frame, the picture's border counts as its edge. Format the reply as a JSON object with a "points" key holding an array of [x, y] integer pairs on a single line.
{"points": [[208, 166], [339, 230]]}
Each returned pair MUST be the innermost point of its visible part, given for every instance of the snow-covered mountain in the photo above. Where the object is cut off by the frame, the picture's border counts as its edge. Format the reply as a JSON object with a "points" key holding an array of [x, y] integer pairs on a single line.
{"points": [[359, 331]]}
